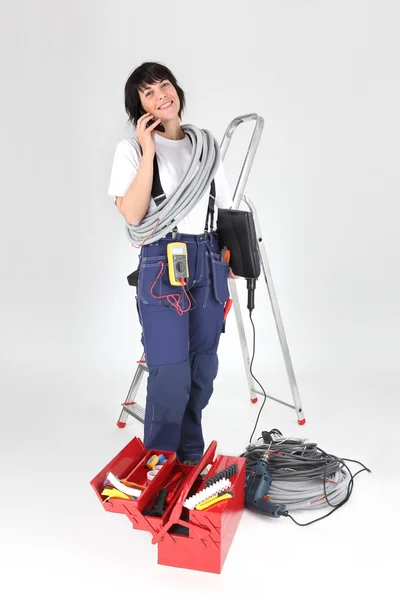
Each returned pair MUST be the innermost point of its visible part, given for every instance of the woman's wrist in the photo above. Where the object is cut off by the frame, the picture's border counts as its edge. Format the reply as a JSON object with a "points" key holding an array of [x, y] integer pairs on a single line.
{"points": [[148, 155]]}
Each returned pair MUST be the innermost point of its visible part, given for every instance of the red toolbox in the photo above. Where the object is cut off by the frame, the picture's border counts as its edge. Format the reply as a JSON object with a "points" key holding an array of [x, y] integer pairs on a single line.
{"points": [[191, 539]]}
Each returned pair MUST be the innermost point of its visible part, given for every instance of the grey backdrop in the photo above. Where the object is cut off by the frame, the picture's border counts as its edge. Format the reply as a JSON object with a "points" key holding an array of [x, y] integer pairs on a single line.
{"points": [[325, 77]]}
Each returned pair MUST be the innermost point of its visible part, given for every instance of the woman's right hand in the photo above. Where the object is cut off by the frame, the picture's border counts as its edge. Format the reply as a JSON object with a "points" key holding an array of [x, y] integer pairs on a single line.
{"points": [[146, 134]]}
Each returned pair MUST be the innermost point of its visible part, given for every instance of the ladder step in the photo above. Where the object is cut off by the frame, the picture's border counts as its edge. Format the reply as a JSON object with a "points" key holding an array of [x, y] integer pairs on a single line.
{"points": [[143, 365], [260, 393], [136, 411]]}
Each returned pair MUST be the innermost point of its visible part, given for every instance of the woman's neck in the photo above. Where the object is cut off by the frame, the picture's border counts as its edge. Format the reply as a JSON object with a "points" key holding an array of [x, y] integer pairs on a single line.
{"points": [[173, 130]]}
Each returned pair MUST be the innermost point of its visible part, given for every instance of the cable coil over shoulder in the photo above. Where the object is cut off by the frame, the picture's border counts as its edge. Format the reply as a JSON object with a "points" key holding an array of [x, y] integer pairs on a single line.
{"points": [[204, 162]]}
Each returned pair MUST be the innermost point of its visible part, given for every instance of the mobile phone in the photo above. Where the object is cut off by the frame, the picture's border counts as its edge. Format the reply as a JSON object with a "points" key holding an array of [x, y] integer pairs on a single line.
{"points": [[160, 126]]}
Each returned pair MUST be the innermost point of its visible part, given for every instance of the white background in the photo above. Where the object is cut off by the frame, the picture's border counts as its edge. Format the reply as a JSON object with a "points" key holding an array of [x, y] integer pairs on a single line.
{"points": [[325, 77]]}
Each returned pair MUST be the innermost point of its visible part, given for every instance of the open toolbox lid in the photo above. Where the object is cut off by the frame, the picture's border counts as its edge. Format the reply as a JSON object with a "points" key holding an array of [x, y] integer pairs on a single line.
{"points": [[175, 515]]}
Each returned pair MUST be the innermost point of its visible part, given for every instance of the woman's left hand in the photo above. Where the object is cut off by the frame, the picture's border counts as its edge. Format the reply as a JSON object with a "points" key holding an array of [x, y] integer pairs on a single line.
{"points": [[232, 275]]}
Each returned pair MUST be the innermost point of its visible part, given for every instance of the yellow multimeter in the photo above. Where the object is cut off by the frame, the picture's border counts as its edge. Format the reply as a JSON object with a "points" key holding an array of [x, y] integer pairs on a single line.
{"points": [[177, 262]]}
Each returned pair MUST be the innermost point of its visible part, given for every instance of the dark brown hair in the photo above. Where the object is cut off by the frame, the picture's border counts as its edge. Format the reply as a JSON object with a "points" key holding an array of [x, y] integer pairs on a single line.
{"points": [[147, 74]]}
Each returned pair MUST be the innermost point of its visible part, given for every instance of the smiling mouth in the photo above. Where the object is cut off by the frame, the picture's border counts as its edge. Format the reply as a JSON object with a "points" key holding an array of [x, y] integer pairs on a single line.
{"points": [[166, 105]]}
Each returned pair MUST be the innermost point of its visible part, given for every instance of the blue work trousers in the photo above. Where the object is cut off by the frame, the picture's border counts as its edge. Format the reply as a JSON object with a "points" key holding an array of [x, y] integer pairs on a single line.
{"points": [[181, 351]]}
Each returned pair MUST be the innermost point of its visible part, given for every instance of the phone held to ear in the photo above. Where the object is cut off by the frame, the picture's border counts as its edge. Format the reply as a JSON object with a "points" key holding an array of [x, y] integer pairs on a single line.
{"points": [[160, 126]]}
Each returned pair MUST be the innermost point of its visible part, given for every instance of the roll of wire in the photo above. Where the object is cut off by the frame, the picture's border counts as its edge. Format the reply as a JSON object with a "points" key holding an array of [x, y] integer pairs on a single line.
{"points": [[303, 476], [204, 162]]}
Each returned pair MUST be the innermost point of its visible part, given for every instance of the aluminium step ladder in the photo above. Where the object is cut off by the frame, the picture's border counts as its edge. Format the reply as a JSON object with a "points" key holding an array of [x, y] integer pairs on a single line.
{"points": [[130, 407]]}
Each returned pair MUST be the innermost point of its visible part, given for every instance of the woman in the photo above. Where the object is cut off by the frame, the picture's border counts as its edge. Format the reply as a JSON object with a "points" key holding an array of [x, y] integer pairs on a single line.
{"points": [[180, 343]]}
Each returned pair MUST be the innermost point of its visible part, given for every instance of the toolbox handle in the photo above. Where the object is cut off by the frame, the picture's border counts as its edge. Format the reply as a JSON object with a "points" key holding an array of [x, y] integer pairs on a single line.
{"points": [[197, 530], [175, 516]]}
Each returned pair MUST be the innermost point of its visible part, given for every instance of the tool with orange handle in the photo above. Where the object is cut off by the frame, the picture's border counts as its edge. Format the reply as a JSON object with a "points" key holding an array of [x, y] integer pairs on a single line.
{"points": [[132, 484], [225, 255], [228, 307]]}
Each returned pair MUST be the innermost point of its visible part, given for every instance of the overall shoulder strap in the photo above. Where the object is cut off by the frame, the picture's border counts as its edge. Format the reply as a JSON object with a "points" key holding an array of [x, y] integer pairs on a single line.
{"points": [[158, 195], [157, 191], [210, 209]]}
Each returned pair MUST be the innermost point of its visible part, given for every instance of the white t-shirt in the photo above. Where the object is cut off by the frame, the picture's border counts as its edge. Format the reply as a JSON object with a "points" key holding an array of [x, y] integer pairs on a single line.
{"points": [[173, 158]]}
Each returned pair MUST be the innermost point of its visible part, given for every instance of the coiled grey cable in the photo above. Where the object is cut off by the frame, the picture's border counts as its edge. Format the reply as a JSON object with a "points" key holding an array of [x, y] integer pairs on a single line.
{"points": [[303, 476], [162, 219], [305, 495]]}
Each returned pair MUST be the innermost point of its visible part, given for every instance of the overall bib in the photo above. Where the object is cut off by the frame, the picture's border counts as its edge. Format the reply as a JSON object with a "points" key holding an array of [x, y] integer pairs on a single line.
{"points": [[181, 351]]}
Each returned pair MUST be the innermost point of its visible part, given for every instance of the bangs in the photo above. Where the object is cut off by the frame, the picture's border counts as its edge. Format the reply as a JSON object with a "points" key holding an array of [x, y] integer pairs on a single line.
{"points": [[152, 75]]}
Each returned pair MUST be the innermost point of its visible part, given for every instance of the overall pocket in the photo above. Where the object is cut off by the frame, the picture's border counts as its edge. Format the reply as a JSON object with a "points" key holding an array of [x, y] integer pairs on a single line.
{"points": [[148, 273], [219, 275]]}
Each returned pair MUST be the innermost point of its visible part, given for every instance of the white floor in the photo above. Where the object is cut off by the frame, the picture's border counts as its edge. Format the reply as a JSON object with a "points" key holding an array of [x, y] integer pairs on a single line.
{"points": [[58, 542]]}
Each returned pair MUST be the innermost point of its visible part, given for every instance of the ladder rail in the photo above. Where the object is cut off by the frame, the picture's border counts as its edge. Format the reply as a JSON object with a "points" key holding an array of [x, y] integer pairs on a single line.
{"points": [[250, 154], [237, 198], [242, 339], [277, 314], [130, 398]]}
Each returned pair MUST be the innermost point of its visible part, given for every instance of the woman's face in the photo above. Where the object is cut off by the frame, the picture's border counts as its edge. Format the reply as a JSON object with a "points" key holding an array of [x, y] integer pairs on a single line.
{"points": [[161, 100]]}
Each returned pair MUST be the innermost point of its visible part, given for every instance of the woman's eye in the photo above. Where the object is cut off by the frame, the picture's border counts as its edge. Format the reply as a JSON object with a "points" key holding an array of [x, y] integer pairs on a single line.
{"points": [[166, 83]]}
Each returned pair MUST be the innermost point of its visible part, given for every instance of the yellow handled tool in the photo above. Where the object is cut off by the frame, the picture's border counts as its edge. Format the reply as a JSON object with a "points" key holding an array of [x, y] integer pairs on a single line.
{"points": [[213, 500], [113, 493]]}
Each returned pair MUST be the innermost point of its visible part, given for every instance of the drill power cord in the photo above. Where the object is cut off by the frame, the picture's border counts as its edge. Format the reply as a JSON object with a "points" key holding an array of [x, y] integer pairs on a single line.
{"points": [[303, 475], [253, 376]]}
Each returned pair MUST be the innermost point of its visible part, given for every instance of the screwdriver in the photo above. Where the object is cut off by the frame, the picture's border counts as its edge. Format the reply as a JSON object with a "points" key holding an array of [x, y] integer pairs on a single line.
{"points": [[176, 478]]}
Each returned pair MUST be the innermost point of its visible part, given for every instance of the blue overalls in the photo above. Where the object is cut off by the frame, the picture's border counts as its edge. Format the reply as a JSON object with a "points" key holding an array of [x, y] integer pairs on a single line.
{"points": [[181, 351]]}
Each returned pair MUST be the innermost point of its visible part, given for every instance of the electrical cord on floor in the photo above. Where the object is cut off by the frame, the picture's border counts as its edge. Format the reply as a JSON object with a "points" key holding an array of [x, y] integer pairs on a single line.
{"points": [[349, 492], [297, 468], [256, 380]]}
